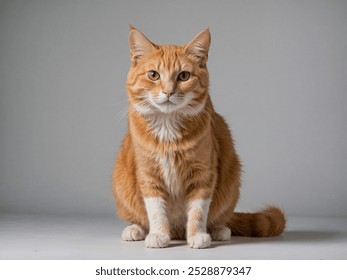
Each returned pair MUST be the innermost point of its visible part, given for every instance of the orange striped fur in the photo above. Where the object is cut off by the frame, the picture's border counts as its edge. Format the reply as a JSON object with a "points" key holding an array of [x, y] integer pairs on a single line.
{"points": [[177, 174]]}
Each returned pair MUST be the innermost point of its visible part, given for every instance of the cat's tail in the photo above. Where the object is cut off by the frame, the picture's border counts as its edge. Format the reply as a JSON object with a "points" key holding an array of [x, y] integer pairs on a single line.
{"points": [[268, 222]]}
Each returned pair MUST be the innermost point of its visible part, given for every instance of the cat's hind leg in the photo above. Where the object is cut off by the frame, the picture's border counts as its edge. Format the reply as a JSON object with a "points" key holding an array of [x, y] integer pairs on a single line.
{"points": [[133, 232], [220, 233]]}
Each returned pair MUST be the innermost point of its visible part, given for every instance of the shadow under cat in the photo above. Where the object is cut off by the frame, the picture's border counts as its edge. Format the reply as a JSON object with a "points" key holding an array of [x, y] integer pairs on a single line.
{"points": [[291, 236]]}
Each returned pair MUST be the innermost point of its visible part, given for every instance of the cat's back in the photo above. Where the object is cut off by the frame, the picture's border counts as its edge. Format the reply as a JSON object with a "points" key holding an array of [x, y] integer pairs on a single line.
{"points": [[228, 160], [221, 131]]}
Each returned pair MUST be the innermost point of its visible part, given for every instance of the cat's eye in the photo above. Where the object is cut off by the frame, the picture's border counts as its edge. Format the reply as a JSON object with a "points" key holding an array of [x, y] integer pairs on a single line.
{"points": [[153, 75], [183, 76]]}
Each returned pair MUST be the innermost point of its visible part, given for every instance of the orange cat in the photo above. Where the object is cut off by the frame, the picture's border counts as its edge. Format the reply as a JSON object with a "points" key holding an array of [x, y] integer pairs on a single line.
{"points": [[177, 174]]}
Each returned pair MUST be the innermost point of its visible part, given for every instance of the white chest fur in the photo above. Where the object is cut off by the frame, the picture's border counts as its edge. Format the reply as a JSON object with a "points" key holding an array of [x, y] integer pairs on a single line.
{"points": [[170, 174], [166, 127]]}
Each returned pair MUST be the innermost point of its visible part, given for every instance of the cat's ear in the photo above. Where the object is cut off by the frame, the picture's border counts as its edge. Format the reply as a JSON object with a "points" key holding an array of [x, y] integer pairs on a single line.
{"points": [[199, 46], [139, 44]]}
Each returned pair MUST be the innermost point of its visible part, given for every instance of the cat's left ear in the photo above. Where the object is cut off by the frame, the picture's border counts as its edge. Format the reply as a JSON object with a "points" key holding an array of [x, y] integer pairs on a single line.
{"points": [[199, 46]]}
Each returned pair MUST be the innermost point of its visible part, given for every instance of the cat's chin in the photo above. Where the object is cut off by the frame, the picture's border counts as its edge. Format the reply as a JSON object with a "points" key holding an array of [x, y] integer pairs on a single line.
{"points": [[156, 108], [167, 107]]}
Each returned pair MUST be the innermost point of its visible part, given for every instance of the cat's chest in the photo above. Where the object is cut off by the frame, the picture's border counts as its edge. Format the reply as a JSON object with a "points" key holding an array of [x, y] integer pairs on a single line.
{"points": [[171, 174], [165, 127]]}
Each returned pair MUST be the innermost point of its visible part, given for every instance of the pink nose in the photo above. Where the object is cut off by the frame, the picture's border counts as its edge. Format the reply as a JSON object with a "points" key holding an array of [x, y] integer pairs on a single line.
{"points": [[169, 93]]}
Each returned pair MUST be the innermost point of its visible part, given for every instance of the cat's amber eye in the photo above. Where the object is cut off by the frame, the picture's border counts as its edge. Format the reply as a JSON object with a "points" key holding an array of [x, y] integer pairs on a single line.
{"points": [[153, 75], [183, 76]]}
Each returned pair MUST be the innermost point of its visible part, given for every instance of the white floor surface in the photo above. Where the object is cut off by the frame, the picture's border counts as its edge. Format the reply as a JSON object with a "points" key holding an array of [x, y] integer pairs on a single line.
{"points": [[52, 237]]}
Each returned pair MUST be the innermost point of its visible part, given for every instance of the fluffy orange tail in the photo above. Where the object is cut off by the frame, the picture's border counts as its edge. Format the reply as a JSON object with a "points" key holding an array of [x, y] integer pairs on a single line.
{"points": [[268, 222]]}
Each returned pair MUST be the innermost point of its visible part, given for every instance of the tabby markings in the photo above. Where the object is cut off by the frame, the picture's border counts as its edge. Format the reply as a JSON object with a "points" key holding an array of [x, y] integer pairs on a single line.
{"points": [[197, 215]]}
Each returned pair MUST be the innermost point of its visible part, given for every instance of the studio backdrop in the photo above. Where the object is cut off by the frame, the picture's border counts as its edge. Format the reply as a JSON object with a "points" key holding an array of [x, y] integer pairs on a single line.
{"points": [[278, 74]]}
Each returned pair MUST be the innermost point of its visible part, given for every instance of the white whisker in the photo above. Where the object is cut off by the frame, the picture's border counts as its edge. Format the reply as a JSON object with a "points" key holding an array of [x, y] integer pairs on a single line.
{"points": [[122, 114]]}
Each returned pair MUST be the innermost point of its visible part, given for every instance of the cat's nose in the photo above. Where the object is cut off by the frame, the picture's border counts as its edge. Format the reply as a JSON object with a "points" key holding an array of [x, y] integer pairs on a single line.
{"points": [[168, 93]]}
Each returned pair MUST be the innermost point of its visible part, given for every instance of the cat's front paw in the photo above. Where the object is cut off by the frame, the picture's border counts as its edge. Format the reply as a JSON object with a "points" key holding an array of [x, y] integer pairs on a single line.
{"points": [[157, 240], [199, 240], [133, 233]]}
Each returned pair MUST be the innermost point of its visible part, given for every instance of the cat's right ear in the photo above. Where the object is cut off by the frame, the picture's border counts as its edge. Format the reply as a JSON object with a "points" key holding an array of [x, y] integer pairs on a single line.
{"points": [[139, 45]]}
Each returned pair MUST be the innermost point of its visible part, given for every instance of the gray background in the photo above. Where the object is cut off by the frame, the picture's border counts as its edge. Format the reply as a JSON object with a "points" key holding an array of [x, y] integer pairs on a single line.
{"points": [[278, 74]]}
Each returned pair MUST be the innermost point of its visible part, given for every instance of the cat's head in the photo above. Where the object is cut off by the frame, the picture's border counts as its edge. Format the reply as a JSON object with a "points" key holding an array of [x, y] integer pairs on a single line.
{"points": [[166, 79]]}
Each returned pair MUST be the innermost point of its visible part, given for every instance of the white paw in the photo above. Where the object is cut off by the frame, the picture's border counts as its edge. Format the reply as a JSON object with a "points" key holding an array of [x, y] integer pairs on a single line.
{"points": [[221, 233], [133, 233], [199, 240], [157, 240]]}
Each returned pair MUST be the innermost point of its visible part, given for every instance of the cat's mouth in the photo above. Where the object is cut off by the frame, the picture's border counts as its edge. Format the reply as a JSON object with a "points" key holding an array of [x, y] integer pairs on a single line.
{"points": [[166, 102], [167, 106], [173, 103]]}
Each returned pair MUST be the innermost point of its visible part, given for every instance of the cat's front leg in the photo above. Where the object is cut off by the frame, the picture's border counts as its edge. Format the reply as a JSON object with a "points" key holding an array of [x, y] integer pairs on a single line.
{"points": [[197, 236], [159, 230]]}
